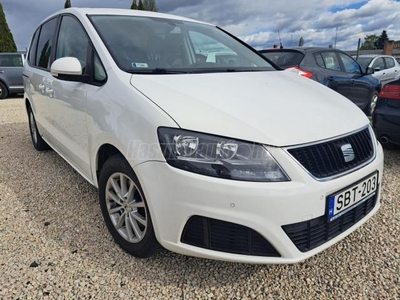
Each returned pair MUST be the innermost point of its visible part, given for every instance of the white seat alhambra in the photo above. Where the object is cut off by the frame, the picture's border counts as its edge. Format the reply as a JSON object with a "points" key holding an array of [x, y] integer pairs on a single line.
{"points": [[227, 158]]}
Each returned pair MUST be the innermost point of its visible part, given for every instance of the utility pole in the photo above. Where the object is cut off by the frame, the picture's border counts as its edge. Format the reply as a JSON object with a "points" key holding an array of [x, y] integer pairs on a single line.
{"points": [[358, 48], [335, 38]]}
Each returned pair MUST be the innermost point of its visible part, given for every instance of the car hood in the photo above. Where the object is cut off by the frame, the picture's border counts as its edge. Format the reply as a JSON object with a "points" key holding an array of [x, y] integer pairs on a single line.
{"points": [[275, 108]]}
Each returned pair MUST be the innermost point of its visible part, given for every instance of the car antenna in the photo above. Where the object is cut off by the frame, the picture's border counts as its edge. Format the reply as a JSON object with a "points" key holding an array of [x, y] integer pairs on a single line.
{"points": [[280, 41]]}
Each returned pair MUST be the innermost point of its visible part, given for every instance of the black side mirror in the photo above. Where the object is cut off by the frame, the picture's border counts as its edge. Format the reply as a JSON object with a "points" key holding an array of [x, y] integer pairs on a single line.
{"points": [[369, 71]]}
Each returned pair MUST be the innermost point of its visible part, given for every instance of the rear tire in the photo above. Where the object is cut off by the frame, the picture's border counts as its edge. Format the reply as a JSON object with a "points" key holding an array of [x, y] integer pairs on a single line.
{"points": [[370, 108], [125, 210], [3, 91], [37, 139]]}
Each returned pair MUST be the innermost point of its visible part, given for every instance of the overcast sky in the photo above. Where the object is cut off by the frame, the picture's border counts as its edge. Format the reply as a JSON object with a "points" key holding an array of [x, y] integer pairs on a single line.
{"points": [[255, 21]]}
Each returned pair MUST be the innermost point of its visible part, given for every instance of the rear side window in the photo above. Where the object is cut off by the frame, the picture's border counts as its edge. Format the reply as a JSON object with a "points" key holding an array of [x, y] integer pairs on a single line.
{"points": [[328, 60], [379, 64], [33, 47], [389, 62], [285, 59], [11, 60], [45, 44]]}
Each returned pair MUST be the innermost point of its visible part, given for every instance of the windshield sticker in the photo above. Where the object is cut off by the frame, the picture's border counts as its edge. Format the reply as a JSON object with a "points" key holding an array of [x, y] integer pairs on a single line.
{"points": [[139, 65]]}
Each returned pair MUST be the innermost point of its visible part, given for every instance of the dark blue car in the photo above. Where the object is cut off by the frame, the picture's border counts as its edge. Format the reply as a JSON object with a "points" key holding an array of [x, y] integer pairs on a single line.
{"points": [[333, 68]]}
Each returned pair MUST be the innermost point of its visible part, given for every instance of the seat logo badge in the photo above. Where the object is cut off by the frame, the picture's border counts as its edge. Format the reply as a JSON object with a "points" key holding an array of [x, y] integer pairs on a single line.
{"points": [[348, 152]]}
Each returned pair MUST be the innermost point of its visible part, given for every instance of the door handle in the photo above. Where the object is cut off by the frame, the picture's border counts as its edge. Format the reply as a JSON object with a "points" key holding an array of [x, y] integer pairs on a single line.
{"points": [[330, 78], [1, 71]]}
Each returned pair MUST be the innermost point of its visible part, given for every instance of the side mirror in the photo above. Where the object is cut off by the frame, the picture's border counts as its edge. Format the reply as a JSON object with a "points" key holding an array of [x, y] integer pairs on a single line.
{"points": [[369, 71], [68, 69], [377, 69]]}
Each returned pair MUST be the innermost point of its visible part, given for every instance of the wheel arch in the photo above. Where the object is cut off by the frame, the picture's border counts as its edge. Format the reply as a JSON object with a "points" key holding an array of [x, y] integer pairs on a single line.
{"points": [[104, 152], [28, 104]]}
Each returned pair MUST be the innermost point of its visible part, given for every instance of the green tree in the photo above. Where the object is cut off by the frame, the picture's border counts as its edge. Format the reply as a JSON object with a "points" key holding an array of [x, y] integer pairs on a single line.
{"points": [[380, 42], [369, 42], [141, 6], [67, 4], [134, 5], [301, 42], [150, 5], [7, 43]]}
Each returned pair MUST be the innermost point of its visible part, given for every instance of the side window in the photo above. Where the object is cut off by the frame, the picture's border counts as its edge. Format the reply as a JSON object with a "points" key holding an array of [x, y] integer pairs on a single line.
{"points": [[33, 48], [350, 65], [14, 60], [330, 61], [209, 50], [389, 62], [72, 41], [379, 64], [99, 73], [45, 44], [320, 60]]}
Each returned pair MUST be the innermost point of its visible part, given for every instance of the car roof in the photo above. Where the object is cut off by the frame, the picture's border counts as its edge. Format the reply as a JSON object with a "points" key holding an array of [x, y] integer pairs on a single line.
{"points": [[373, 55], [82, 12], [299, 49]]}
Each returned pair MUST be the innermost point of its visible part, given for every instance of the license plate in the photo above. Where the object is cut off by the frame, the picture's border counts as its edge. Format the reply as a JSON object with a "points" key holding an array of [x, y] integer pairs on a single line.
{"points": [[351, 197]]}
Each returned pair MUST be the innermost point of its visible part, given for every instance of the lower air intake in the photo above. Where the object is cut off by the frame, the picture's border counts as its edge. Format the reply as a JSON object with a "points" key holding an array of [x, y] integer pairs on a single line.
{"points": [[226, 237]]}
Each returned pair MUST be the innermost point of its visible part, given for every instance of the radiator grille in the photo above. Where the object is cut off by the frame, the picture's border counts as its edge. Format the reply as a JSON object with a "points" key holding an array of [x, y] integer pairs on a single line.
{"points": [[327, 159]]}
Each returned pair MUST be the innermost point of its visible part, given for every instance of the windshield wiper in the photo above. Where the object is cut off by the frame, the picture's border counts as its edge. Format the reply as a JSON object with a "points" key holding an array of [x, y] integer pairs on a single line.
{"points": [[167, 71], [156, 71], [223, 70]]}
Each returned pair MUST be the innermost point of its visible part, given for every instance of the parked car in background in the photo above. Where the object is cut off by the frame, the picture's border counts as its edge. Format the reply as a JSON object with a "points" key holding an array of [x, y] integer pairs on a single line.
{"points": [[386, 117], [386, 67], [333, 68], [247, 163], [11, 68]]}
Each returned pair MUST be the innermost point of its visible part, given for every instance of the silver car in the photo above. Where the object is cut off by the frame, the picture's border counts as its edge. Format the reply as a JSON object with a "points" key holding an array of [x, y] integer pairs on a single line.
{"points": [[11, 68], [386, 67]]}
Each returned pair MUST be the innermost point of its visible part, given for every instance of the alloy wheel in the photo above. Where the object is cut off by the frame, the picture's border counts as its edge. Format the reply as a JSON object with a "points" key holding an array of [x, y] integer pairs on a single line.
{"points": [[126, 207], [374, 100]]}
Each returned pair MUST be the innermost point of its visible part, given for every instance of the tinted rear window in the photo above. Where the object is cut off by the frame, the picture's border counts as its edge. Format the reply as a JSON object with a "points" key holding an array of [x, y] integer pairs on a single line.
{"points": [[285, 58], [11, 60], [45, 44]]}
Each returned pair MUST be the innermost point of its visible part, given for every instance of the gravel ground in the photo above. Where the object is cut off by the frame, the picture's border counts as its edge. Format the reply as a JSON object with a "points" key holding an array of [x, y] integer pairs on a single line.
{"points": [[54, 244]]}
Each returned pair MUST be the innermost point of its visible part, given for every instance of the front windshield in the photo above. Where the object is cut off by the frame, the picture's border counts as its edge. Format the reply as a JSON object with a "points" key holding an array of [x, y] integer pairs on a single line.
{"points": [[165, 46], [364, 61]]}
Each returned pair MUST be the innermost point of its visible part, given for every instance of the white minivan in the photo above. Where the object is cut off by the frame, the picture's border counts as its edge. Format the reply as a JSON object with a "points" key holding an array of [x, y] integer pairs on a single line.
{"points": [[239, 162]]}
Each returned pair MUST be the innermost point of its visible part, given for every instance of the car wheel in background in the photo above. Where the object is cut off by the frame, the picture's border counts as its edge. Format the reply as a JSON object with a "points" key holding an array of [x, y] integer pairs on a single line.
{"points": [[37, 140], [3, 91], [125, 210], [369, 109]]}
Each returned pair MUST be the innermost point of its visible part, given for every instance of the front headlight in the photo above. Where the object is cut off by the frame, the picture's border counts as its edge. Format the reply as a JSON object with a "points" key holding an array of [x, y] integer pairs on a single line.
{"points": [[218, 156]]}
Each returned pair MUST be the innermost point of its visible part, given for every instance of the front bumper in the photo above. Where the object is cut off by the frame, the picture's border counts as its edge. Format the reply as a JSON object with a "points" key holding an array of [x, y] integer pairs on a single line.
{"points": [[174, 196]]}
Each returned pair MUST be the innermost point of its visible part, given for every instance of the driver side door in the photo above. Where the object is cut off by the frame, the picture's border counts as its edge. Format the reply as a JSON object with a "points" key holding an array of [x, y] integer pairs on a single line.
{"points": [[67, 99], [359, 88]]}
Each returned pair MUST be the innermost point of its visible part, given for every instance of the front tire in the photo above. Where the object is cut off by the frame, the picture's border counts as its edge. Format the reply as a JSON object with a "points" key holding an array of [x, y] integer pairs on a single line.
{"points": [[125, 210], [37, 140]]}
